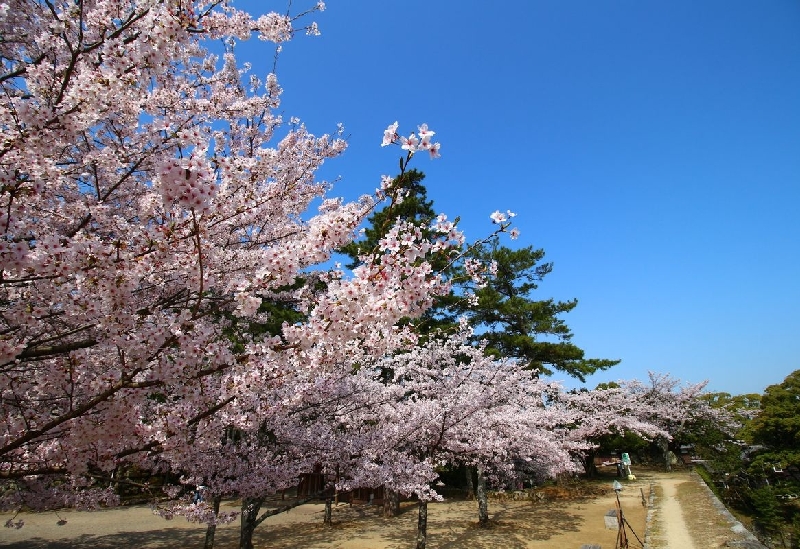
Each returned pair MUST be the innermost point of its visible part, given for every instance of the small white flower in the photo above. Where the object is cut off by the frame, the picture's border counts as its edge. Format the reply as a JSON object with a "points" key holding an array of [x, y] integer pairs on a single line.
{"points": [[498, 217], [409, 143], [424, 132], [389, 134]]}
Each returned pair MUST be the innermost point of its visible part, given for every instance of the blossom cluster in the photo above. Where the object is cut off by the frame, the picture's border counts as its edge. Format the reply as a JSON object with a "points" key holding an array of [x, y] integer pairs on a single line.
{"points": [[413, 142], [503, 219], [189, 182]]}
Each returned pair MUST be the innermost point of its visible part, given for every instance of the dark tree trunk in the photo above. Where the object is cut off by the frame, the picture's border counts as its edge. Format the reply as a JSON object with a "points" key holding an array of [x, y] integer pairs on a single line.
{"points": [[328, 512], [391, 502], [483, 500], [422, 525], [588, 464], [249, 521], [211, 530], [470, 484]]}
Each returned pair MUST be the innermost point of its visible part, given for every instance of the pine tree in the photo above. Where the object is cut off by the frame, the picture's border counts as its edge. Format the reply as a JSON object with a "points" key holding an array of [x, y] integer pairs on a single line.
{"points": [[505, 313], [515, 324]]}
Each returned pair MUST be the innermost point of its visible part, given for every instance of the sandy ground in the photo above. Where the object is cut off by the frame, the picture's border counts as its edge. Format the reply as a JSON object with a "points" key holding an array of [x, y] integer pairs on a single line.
{"points": [[552, 520]]}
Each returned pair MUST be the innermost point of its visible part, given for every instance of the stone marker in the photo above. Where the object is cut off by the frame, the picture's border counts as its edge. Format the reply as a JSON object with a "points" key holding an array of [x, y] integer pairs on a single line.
{"points": [[611, 520]]}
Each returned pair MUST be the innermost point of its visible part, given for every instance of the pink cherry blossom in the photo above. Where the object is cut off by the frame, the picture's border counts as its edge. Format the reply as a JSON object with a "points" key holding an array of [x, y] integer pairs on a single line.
{"points": [[424, 133], [409, 143], [390, 135]]}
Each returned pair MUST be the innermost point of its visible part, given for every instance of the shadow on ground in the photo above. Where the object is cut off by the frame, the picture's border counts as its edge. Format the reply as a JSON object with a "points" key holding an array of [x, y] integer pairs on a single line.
{"points": [[547, 522], [155, 539], [511, 527]]}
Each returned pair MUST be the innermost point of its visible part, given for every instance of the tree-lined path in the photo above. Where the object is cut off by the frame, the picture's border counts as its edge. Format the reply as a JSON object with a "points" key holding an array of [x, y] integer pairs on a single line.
{"points": [[684, 517]]}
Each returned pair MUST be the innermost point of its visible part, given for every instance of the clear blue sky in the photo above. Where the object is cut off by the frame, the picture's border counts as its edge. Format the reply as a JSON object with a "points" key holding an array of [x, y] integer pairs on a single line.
{"points": [[651, 148]]}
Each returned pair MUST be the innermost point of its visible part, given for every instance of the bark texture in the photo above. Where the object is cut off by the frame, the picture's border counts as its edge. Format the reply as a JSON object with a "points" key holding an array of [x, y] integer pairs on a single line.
{"points": [[211, 530], [483, 499], [249, 521], [422, 525], [391, 503]]}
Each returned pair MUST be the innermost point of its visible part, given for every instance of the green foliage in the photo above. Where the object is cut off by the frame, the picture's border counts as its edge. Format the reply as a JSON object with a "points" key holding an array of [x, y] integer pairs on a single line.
{"points": [[762, 484], [624, 442], [767, 511], [777, 429], [716, 441], [742, 408], [775, 513], [720, 444], [778, 424]]}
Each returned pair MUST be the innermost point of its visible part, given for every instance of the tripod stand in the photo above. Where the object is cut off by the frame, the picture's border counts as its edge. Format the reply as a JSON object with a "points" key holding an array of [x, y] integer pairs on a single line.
{"points": [[622, 523]]}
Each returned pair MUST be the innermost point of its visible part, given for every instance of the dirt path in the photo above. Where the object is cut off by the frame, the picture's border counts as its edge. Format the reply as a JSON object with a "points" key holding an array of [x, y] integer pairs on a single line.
{"points": [[677, 533], [685, 514]]}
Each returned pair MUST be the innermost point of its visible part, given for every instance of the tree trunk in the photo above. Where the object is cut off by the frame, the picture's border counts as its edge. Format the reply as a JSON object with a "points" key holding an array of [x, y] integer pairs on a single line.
{"points": [[336, 486], [250, 508], [588, 464], [250, 519], [663, 445], [328, 512], [391, 502], [483, 500], [422, 525], [211, 529], [470, 484]]}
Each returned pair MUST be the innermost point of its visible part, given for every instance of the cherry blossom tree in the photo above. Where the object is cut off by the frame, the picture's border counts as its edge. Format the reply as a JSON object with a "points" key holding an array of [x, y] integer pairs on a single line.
{"points": [[675, 407], [448, 403], [656, 410], [152, 199], [603, 411]]}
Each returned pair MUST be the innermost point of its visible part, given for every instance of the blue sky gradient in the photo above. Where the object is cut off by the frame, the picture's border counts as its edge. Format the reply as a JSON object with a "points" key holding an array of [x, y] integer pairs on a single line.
{"points": [[651, 148]]}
